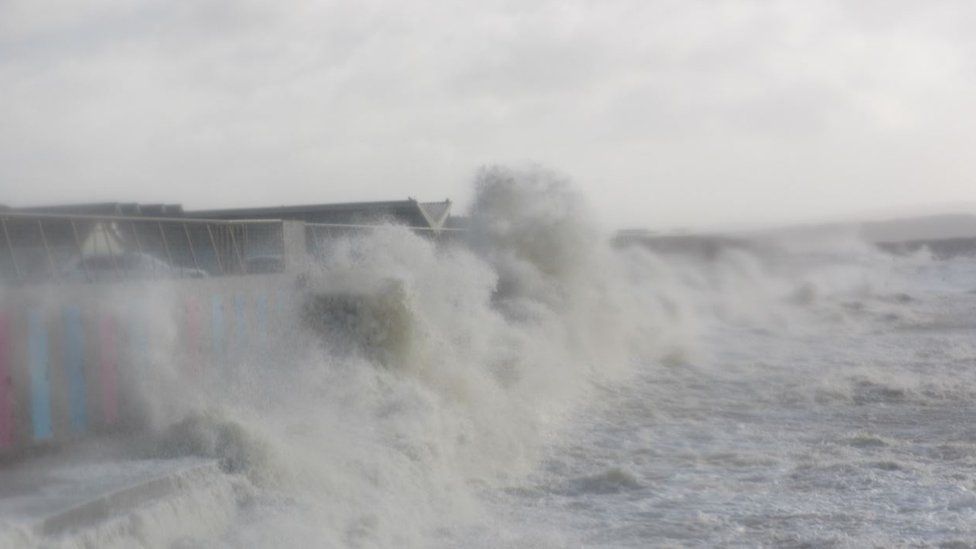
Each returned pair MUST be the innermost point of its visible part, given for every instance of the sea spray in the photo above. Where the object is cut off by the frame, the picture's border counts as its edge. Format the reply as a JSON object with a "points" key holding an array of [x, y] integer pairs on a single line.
{"points": [[414, 377], [458, 362]]}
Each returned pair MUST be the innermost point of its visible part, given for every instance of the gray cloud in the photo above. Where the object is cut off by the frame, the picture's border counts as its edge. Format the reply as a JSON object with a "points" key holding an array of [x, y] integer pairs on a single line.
{"points": [[664, 112]]}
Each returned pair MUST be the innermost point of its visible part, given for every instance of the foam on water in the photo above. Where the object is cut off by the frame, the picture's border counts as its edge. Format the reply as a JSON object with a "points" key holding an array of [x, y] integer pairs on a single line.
{"points": [[839, 427], [535, 387]]}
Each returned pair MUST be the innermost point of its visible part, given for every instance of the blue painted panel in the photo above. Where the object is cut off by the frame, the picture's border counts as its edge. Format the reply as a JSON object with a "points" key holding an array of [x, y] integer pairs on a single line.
{"points": [[37, 344], [74, 367]]}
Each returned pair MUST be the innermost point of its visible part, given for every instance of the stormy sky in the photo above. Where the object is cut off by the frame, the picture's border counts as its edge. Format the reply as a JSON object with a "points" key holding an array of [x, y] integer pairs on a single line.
{"points": [[665, 112]]}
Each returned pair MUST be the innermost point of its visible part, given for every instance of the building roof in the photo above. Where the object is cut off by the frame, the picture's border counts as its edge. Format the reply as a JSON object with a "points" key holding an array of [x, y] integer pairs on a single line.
{"points": [[413, 213], [427, 215], [108, 208]]}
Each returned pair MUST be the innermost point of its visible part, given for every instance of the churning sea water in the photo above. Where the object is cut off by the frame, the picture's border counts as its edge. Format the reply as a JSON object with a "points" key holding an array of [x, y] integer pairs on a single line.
{"points": [[848, 424], [534, 386], [807, 391]]}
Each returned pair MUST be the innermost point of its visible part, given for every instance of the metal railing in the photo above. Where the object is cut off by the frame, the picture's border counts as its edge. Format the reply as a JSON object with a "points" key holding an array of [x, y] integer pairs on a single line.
{"points": [[52, 247]]}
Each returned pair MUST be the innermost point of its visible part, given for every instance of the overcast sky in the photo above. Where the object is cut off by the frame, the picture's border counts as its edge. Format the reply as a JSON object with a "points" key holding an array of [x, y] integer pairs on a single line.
{"points": [[665, 113]]}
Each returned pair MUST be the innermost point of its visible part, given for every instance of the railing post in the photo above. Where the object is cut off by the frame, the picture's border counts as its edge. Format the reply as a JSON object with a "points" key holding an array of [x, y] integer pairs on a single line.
{"points": [[47, 249], [237, 252], [81, 252], [135, 237], [189, 243], [111, 253], [213, 245], [10, 247], [169, 256]]}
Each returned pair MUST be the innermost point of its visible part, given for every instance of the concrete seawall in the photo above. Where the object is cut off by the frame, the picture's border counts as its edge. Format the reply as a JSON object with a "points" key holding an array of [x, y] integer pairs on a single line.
{"points": [[84, 503]]}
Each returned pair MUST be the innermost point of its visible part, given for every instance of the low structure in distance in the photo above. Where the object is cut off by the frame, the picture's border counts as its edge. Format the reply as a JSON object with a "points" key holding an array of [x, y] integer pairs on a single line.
{"points": [[112, 240]]}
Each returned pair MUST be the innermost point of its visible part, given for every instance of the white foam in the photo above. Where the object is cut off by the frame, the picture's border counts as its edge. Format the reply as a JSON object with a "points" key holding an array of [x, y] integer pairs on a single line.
{"points": [[488, 352]]}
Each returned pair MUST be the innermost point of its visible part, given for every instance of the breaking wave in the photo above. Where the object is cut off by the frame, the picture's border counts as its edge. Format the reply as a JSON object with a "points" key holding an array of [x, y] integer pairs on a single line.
{"points": [[417, 376]]}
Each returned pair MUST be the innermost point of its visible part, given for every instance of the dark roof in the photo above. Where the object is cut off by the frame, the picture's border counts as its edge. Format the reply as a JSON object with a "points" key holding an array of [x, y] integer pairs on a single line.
{"points": [[109, 208], [266, 211], [411, 212]]}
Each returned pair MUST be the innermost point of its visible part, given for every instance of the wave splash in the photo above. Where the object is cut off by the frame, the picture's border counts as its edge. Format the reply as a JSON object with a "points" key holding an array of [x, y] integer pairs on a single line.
{"points": [[422, 376]]}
